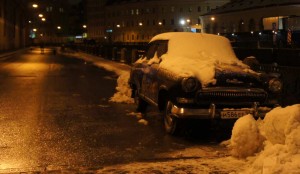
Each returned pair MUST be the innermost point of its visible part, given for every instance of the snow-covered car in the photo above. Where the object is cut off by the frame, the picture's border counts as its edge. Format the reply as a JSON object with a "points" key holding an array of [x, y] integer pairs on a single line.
{"points": [[196, 75]]}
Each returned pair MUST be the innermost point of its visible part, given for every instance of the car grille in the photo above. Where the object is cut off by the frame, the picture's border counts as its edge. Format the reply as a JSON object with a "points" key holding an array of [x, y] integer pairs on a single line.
{"points": [[231, 96]]}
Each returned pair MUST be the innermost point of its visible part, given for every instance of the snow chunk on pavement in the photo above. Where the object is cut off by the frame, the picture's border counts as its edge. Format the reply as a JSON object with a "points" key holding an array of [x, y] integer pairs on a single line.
{"points": [[123, 94], [246, 139]]}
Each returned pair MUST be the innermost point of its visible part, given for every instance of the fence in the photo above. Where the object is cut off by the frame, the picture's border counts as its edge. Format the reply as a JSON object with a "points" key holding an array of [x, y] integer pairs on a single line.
{"points": [[290, 77]]}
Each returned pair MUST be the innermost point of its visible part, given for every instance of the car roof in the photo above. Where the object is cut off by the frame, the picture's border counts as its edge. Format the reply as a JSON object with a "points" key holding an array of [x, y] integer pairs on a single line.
{"points": [[187, 44]]}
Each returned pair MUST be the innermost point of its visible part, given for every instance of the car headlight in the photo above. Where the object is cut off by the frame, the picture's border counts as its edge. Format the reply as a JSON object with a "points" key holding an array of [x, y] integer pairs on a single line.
{"points": [[189, 84], [275, 85]]}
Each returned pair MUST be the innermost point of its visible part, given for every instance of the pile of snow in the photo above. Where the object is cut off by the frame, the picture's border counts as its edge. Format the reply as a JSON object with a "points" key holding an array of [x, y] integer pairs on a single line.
{"points": [[123, 94], [271, 145]]}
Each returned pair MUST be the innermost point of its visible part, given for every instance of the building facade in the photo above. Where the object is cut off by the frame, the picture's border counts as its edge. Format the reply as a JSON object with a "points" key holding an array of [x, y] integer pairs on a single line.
{"points": [[12, 24], [96, 19], [272, 19], [134, 21]]}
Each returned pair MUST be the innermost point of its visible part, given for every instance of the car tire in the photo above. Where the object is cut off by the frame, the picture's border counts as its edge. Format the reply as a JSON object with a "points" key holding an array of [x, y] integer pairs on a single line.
{"points": [[172, 124], [141, 104]]}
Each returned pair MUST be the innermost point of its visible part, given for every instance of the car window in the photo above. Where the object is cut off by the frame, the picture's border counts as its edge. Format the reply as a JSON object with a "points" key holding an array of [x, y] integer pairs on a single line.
{"points": [[151, 50], [162, 48]]}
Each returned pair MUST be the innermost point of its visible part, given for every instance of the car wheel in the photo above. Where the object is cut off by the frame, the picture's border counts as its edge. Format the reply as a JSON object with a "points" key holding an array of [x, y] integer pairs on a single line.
{"points": [[141, 104], [172, 124]]}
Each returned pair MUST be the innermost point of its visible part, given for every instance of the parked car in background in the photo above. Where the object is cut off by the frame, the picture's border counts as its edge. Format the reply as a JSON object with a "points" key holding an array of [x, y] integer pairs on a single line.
{"points": [[198, 76]]}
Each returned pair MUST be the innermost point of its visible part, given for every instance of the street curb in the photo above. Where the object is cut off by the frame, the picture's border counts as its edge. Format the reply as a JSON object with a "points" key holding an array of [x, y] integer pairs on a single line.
{"points": [[3, 56]]}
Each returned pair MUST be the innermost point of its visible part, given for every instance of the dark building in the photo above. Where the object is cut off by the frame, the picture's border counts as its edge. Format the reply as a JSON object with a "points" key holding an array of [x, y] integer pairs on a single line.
{"points": [[12, 24]]}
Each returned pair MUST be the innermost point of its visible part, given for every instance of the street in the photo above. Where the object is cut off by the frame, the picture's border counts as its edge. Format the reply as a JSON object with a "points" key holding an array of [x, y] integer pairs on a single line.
{"points": [[55, 115]]}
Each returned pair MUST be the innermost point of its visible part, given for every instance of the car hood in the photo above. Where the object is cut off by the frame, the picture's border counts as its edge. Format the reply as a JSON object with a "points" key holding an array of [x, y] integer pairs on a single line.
{"points": [[232, 75]]}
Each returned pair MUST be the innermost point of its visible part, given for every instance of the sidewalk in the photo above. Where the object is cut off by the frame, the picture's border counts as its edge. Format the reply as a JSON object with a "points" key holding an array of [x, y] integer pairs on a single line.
{"points": [[5, 55]]}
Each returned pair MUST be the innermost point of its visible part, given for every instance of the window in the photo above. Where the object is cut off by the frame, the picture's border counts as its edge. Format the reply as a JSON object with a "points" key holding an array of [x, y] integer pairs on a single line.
{"points": [[162, 48], [151, 50], [132, 37], [199, 8], [208, 8], [172, 9]]}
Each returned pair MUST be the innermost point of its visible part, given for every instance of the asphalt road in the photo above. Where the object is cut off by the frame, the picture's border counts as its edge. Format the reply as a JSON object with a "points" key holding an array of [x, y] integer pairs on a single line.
{"points": [[55, 113]]}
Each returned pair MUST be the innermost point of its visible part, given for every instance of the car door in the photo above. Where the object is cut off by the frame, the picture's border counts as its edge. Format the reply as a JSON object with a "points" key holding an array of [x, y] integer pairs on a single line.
{"points": [[152, 76], [144, 91]]}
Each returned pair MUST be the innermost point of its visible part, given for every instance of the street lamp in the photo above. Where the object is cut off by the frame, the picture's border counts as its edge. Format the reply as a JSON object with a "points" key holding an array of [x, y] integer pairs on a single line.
{"points": [[43, 19], [35, 6], [41, 15], [84, 26], [58, 27], [182, 22]]}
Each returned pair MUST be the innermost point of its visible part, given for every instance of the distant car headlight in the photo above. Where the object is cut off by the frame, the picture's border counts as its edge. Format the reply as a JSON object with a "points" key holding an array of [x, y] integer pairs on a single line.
{"points": [[189, 84], [275, 85]]}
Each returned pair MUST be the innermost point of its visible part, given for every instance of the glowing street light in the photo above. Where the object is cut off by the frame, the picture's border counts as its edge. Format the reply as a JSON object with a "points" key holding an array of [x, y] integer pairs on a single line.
{"points": [[182, 22], [212, 18], [84, 26], [41, 15], [34, 29], [44, 19], [58, 27], [140, 24], [159, 23], [35, 6]]}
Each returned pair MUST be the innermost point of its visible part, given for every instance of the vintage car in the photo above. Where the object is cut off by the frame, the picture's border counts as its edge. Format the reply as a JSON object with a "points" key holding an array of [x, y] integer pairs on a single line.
{"points": [[198, 76]]}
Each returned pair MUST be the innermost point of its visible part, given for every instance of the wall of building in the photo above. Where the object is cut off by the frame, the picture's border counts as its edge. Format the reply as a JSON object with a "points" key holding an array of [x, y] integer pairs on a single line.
{"points": [[139, 21], [247, 20], [12, 26]]}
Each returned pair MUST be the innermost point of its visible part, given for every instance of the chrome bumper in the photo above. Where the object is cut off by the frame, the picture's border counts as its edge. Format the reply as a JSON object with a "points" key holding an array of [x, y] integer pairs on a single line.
{"points": [[212, 112]]}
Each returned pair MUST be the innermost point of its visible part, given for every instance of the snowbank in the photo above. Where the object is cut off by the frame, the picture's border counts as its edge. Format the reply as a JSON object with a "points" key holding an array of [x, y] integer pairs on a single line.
{"points": [[280, 150]]}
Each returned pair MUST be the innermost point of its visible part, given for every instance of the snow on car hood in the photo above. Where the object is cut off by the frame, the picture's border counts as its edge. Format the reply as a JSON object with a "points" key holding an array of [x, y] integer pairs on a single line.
{"points": [[199, 55]]}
